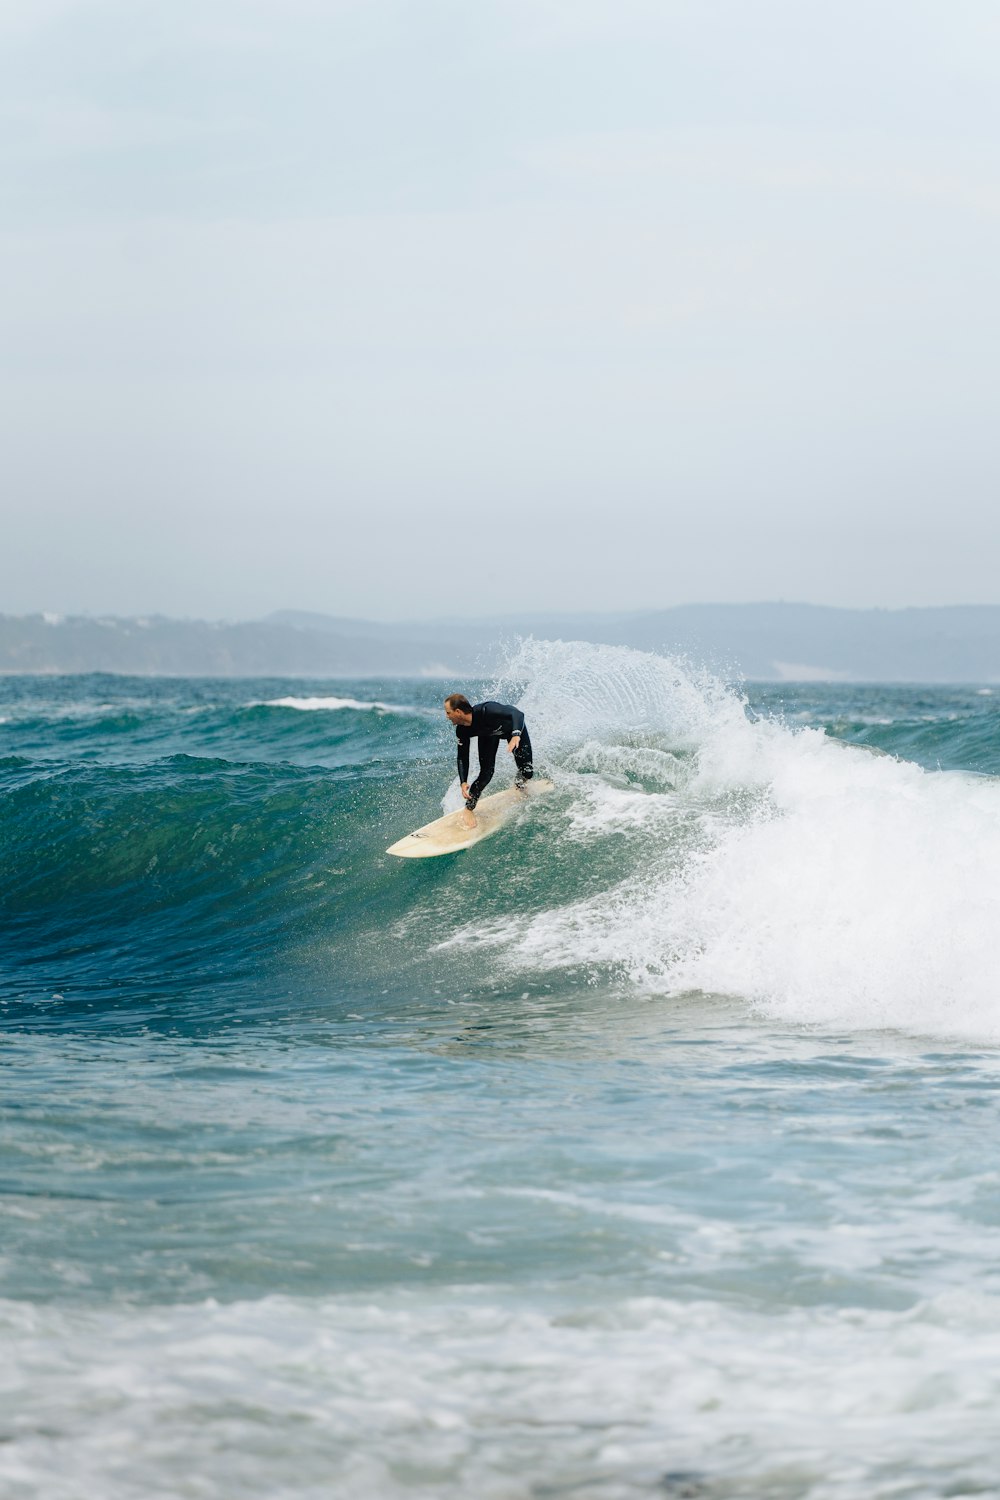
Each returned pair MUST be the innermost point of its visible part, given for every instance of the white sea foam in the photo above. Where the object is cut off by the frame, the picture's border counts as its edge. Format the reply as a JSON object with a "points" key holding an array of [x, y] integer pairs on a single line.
{"points": [[824, 883], [460, 1395], [310, 705]]}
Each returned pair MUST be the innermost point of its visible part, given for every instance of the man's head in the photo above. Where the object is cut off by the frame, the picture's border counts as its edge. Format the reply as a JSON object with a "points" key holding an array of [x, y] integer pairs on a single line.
{"points": [[458, 708]]}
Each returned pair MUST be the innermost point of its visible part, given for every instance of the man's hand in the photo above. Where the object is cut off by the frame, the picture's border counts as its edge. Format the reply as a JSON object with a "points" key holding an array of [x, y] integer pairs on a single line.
{"points": [[513, 743], [465, 789]]}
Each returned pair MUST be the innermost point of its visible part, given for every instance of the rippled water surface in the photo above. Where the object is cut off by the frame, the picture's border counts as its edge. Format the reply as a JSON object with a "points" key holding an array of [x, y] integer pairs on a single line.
{"points": [[646, 1149]]}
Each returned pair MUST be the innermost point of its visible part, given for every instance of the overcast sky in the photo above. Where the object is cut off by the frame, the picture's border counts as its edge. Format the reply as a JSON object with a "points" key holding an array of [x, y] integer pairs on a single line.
{"points": [[411, 307]]}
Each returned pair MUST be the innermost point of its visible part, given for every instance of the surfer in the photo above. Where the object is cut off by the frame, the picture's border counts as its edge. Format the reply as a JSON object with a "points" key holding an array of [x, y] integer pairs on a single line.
{"points": [[488, 723]]}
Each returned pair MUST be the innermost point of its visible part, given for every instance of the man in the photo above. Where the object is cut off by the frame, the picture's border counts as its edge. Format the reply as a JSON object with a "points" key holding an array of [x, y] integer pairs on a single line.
{"points": [[488, 723]]}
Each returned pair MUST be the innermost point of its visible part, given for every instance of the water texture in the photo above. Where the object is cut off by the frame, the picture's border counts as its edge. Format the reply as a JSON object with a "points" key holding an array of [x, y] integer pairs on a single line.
{"points": [[646, 1150]]}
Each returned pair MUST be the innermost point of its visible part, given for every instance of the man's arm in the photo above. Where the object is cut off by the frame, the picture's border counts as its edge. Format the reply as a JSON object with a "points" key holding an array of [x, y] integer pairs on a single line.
{"points": [[463, 758], [516, 725], [503, 718]]}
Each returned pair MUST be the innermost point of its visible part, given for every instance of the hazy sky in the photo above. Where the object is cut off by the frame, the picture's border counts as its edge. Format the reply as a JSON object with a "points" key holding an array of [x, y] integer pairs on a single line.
{"points": [[413, 307]]}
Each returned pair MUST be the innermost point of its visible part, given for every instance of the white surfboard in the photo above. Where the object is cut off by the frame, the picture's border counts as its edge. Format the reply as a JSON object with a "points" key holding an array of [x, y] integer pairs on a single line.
{"points": [[448, 835]]}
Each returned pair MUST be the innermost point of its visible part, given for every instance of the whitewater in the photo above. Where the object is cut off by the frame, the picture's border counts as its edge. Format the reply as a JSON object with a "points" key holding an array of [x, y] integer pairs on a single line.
{"points": [[642, 1151]]}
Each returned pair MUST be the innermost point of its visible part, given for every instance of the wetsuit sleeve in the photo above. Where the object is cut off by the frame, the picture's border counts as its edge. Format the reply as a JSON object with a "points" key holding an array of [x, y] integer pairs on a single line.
{"points": [[509, 719], [463, 757]]}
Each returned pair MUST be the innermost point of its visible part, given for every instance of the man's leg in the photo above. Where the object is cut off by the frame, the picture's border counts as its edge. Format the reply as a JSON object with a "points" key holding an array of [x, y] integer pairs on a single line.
{"points": [[487, 760], [522, 759]]}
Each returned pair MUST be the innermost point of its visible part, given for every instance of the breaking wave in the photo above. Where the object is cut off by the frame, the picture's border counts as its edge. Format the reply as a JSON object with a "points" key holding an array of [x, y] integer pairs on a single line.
{"points": [[822, 882]]}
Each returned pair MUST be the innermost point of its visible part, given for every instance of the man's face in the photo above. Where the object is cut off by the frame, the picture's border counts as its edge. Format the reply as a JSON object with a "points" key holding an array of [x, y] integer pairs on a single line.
{"points": [[453, 715]]}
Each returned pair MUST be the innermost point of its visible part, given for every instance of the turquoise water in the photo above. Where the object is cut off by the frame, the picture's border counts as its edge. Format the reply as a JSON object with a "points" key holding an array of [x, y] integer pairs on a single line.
{"points": [[646, 1150]]}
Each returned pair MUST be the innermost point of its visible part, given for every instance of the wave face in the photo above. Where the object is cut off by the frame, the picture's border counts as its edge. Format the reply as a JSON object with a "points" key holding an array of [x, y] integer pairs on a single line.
{"points": [[639, 1150], [191, 831]]}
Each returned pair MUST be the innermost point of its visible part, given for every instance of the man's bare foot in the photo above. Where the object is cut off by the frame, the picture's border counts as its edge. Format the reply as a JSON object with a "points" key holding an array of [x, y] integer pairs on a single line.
{"points": [[469, 818]]}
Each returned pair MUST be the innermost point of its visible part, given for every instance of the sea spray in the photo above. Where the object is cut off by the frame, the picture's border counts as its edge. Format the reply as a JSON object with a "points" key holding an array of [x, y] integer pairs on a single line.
{"points": [[820, 882]]}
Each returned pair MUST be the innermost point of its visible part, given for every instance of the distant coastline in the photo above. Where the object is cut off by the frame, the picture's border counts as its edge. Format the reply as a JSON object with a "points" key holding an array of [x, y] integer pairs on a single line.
{"points": [[761, 642]]}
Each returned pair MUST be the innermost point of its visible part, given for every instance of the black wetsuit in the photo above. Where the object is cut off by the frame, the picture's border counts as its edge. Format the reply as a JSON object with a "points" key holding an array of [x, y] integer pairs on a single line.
{"points": [[491, 723]]}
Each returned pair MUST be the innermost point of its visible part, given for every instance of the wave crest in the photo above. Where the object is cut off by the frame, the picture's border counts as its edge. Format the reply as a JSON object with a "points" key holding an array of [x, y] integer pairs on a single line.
{"points": [[821, 882]]}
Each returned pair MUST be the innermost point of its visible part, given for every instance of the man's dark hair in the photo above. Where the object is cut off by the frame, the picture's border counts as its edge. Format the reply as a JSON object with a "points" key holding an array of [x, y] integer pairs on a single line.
{"points": [[459, 701]]}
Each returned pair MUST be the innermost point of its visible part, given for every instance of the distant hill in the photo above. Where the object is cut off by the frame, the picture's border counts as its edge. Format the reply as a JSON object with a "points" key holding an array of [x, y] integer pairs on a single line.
{"points": [[198, 648], [763, 642]]}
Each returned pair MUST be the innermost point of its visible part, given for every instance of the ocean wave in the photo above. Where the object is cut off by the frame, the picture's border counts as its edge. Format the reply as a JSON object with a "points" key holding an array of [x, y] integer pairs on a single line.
{"points": [[188, 857], [691, 844], [815, 880], [312, 705]]}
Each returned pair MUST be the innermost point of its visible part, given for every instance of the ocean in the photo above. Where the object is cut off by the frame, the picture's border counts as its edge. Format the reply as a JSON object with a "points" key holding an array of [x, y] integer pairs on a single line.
{"points": [[648, 1149]]}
